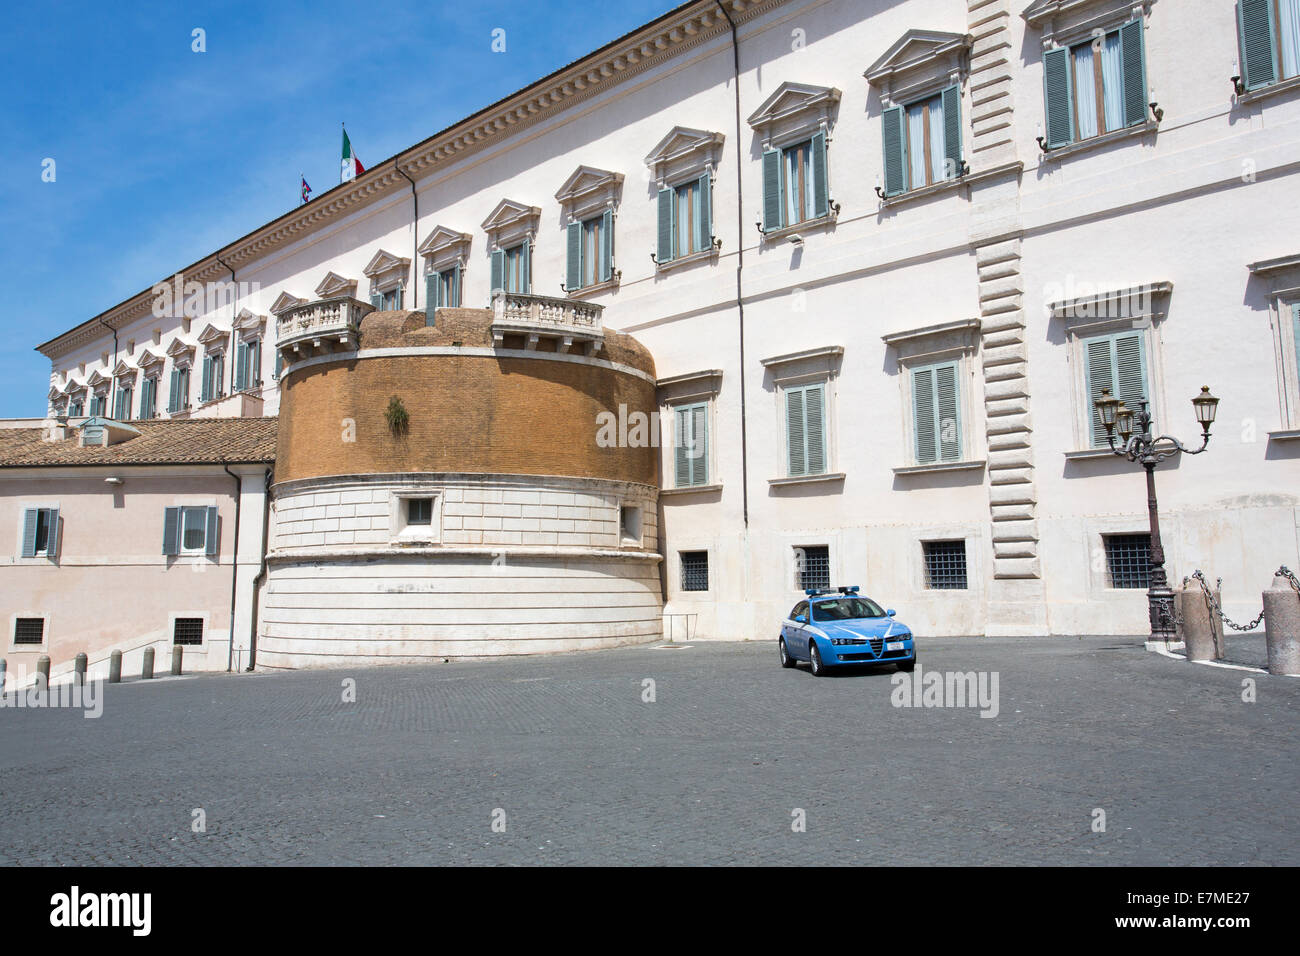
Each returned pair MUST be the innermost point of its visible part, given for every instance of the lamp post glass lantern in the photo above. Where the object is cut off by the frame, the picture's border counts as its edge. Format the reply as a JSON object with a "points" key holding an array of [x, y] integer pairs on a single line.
{"points": [[1143, 447]]}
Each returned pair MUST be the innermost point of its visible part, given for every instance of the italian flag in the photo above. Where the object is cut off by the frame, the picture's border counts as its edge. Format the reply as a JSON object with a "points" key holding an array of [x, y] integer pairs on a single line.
{"points": [[351, 166]]}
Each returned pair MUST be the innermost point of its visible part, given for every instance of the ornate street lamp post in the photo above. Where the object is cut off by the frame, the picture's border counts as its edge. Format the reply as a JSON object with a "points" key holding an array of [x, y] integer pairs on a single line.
{"points": [[1149, 451]]}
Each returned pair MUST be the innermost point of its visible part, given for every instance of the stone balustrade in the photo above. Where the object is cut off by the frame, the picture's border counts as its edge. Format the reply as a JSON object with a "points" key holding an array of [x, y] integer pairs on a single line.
{"points": [[537, 316]]}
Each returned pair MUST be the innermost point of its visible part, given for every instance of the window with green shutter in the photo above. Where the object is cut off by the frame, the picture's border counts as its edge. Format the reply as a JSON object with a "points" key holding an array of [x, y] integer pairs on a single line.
{"points": [[922, 142], [1117, 363], [1269, 34], [122, 404], [149, 397], [691, 445], [510, 269], [40, 533], [805, 429], [936, 413], [1096, 86]]}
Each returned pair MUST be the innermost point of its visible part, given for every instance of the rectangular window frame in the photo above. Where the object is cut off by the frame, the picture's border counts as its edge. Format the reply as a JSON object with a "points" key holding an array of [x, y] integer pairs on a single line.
{"points": [[691, 573], [28, 615], [933, 554], [785, 391], [803, 566], [699, 467]]}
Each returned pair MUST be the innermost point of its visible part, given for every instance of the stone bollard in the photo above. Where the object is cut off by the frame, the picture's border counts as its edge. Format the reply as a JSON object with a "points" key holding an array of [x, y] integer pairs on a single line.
{"points": [[79, 669], [115, 667], [1201, 628], [146, 669], [178, 654], [1282, 627], [43, 672], [4, 676]]}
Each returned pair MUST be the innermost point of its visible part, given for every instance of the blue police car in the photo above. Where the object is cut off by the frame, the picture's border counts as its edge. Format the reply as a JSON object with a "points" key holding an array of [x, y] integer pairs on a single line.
{"points": [[833, 627]]}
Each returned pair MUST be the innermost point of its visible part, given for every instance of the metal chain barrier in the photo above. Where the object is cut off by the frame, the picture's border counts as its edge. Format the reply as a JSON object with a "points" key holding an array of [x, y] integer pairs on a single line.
{"points": [[1283, 572], [1218, 609]]}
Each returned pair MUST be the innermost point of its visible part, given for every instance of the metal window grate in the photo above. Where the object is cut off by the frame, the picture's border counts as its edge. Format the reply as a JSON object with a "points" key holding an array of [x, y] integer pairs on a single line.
{"points": [[419, 511], [188, 630], [812, 566], [29, 630], [695, 570], [945, 565], [1128, 558]]}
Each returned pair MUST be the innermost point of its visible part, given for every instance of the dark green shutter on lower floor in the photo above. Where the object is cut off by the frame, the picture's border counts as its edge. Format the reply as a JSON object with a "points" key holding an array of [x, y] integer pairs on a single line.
{"points": [[606, 271], [895, 141], [573, 254], [498, 271], [1057, 101], [952, 130], [171, 530], [1259, 65], [821, 184], [704, 221], [772, 205], [432, 287], [31, 517], [664, 247], [210, 536], [1133, 71]]}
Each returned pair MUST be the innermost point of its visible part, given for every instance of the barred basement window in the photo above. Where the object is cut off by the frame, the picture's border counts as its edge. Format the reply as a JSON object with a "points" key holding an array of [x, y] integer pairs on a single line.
{"points": [[812, 566], [29, 630], [419, 511], [188, 630], [945, 565], [1128, 559], [695, 570]]}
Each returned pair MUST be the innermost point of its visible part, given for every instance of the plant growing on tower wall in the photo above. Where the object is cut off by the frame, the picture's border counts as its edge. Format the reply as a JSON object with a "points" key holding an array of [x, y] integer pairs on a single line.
{"points": [[396, 414]]}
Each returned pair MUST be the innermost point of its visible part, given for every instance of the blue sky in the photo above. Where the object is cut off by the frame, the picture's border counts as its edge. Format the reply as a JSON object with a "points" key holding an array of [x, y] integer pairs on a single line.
{"points": [[162, 154]]}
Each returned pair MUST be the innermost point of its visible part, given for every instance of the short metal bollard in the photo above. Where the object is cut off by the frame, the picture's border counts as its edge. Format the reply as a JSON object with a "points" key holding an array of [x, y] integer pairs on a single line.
{"points": [[1201, 628], [1282, 627], [178, 654], [146, 669], [43, 672], [115, 667], [79, 669]]}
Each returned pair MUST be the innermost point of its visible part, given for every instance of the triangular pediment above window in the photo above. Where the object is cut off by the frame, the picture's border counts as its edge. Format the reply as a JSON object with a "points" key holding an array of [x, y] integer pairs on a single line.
{"points": [[55, 393], [510, 213], [334, 284], [248, 321], [96, 378], [180, 348], [590, 185], [383, 262], [1069, 15], [445, 241], [71, 386], [124, 369], [150, 359], [284, 302], [682, 141], [796, 105], [917, 49], [213, 336]]}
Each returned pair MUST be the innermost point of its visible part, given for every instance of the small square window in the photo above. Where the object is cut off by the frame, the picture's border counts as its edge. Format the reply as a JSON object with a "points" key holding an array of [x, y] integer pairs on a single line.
{"points": [[187, 630], [419, 511], [812, 567], [29, 630], [695, 570], [1128, 560], [945, 565]]}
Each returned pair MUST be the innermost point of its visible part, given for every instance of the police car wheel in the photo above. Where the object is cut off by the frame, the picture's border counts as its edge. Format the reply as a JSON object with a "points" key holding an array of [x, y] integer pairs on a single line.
{"points": [[786, 659], [815, 661]]}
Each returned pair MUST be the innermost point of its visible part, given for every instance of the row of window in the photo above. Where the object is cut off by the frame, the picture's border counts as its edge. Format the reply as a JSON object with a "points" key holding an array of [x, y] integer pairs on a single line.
{"points": [[187, 530], [247, 376], [30, 631], [1128, 565]]}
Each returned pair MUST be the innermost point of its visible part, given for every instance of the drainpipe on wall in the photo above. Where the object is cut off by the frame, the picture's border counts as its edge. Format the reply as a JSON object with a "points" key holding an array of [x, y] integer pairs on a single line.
{"points": [[261, 571], [112, 382], [234, 311], [415, 242], [234, 568], [740, 265]]}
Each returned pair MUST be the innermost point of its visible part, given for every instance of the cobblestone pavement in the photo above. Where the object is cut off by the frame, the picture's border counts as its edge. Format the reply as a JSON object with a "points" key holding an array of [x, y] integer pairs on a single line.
{"points": [[710, 772]]}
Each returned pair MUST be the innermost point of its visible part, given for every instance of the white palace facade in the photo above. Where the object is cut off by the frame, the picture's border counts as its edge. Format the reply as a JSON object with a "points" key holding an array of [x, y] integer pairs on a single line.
{"points": [[882, 255]]}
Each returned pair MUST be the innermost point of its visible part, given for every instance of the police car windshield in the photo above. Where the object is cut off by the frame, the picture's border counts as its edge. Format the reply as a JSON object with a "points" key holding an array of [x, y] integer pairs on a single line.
{"points": [[846, 609]]}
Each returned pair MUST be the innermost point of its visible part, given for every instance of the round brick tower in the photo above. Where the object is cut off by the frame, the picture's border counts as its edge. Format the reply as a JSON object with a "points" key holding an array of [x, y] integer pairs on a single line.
{"points": [[484, 486]]}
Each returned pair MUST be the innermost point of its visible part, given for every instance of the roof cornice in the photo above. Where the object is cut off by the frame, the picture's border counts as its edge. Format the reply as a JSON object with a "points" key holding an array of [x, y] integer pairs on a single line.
{"points": [[677, 31]]}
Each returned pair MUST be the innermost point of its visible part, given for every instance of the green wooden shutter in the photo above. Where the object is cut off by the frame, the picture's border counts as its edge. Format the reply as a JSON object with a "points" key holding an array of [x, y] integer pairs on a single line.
{"points": [[52, 539], [923, 415], [704, 217], [895, 150], [815, 428], [948, 420], [210, 535], [952, 144], [821, 188], [171, 396], [498, 271], [1130, 369], [1258, 43], [241, 367], [525, 269], [1133, 71], [455, 287], [573, 244], [377, 300], [432, 296], [31, 516], [681, 450], [279, 364], [700, 438], [664, 250], [1058, 97], [1101, 376], [204, 383], [773, 208], [171, 530], [796, 447], [606, 245], [254, 363]]}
